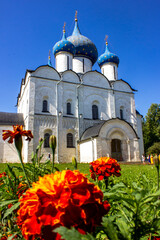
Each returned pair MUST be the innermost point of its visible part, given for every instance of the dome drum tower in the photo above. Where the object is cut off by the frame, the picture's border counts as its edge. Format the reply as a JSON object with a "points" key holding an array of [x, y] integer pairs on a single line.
{"points": [[64, 51], [77, 52], [108, 63]]}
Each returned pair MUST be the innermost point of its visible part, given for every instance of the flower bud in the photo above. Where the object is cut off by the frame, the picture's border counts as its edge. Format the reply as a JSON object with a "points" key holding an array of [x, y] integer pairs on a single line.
{"points": [[52, 142], [18, 143], [74, 162]]}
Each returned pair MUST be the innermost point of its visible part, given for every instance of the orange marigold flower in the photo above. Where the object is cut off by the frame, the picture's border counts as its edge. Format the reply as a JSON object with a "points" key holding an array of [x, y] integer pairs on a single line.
{"points": [[104, 167], [65, 198], [17, 133]]}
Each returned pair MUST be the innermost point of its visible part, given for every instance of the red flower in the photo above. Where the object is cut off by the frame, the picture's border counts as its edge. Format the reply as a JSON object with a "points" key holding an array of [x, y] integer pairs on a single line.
{"points": [[3, 174], [65, 198], [104, 167], [17, 133], [10, 205]]}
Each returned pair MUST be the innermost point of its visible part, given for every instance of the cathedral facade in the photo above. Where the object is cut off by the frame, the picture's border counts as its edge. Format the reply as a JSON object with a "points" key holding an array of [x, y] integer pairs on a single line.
{"points": [[91, 113]]}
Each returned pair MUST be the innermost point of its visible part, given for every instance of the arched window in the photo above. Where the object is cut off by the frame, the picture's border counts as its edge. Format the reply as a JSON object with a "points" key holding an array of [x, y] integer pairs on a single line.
{"points": [[94, 112], [46, 140], [70, 140], [45, 106], [121, 113], [69, 108]]}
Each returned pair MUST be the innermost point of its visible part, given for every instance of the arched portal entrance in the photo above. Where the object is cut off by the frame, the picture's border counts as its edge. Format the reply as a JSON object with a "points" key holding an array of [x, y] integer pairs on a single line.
{"points": [[116, 149]]}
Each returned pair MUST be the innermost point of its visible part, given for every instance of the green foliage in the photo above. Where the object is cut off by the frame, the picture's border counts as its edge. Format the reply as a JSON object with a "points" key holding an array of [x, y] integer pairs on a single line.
{"points": [[135, 210], [151, 126], [154, 149], [133, 199], [72, 234]]}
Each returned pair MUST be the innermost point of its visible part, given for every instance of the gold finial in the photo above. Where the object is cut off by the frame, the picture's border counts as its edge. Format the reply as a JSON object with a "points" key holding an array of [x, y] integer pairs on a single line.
{"points": [[64, 30], [76, 16], [49, 55], [106, 37]]}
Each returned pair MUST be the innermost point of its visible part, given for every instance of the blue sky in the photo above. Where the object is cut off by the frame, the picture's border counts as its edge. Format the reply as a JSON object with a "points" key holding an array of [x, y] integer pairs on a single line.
{"points": [[29, 28]]}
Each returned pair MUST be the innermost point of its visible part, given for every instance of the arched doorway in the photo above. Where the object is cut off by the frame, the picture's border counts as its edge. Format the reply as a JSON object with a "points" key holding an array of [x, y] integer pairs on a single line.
{"points": [[116, 149]]}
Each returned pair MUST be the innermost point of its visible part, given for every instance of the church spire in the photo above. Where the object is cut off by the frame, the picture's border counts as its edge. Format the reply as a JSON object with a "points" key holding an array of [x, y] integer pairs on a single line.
{"points": [[64, 32], [76, 30], [49, 59]]}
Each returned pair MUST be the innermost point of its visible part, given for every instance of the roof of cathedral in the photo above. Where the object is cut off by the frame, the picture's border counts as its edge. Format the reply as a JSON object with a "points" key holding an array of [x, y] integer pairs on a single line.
{"points": [[92, 131], [63, 45], [11, 118], [84, 47], [95, 129], [107, 56]]}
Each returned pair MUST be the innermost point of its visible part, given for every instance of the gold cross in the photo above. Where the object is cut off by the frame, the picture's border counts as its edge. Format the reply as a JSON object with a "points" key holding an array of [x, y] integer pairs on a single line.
{"points": [[106, 37], [64, 27], [76, 15]]}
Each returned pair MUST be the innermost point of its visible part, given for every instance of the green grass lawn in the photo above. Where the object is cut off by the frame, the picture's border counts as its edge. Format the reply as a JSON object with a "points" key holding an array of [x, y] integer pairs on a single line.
{"points": [[129, 172]]}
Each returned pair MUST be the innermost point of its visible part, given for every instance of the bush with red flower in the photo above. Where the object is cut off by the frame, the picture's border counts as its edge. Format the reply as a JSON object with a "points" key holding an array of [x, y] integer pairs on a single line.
{"points": [[104, 167], [65, 198]]}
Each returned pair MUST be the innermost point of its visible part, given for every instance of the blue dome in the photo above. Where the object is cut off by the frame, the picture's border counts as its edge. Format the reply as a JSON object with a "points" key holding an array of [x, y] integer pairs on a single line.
{"points": [[107, 56], [63, 46], [84, 47]]}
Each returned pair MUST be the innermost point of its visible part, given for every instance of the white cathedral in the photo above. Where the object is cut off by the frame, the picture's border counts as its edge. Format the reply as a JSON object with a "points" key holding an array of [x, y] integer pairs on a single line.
{"points": [[91, 113]]}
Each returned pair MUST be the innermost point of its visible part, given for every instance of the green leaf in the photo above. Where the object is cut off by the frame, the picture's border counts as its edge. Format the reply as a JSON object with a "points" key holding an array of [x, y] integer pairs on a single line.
{"points": [[11, 237], [4, 203], [56, 169], [10, 210], [124, 229], [73, 234], [11, 171], [110, 229], [68, 234]]}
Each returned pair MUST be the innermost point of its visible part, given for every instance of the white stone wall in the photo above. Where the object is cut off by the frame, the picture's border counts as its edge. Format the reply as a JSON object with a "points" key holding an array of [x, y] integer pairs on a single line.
{"points": [[92, 88], [110, 70], [78, 64], [23, 104], [96, 79], [86, 152], [61, 61]]}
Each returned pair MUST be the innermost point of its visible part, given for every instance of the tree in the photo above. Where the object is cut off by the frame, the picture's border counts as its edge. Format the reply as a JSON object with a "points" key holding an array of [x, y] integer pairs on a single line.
{"points": [[154, 149], [151, 126]]}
